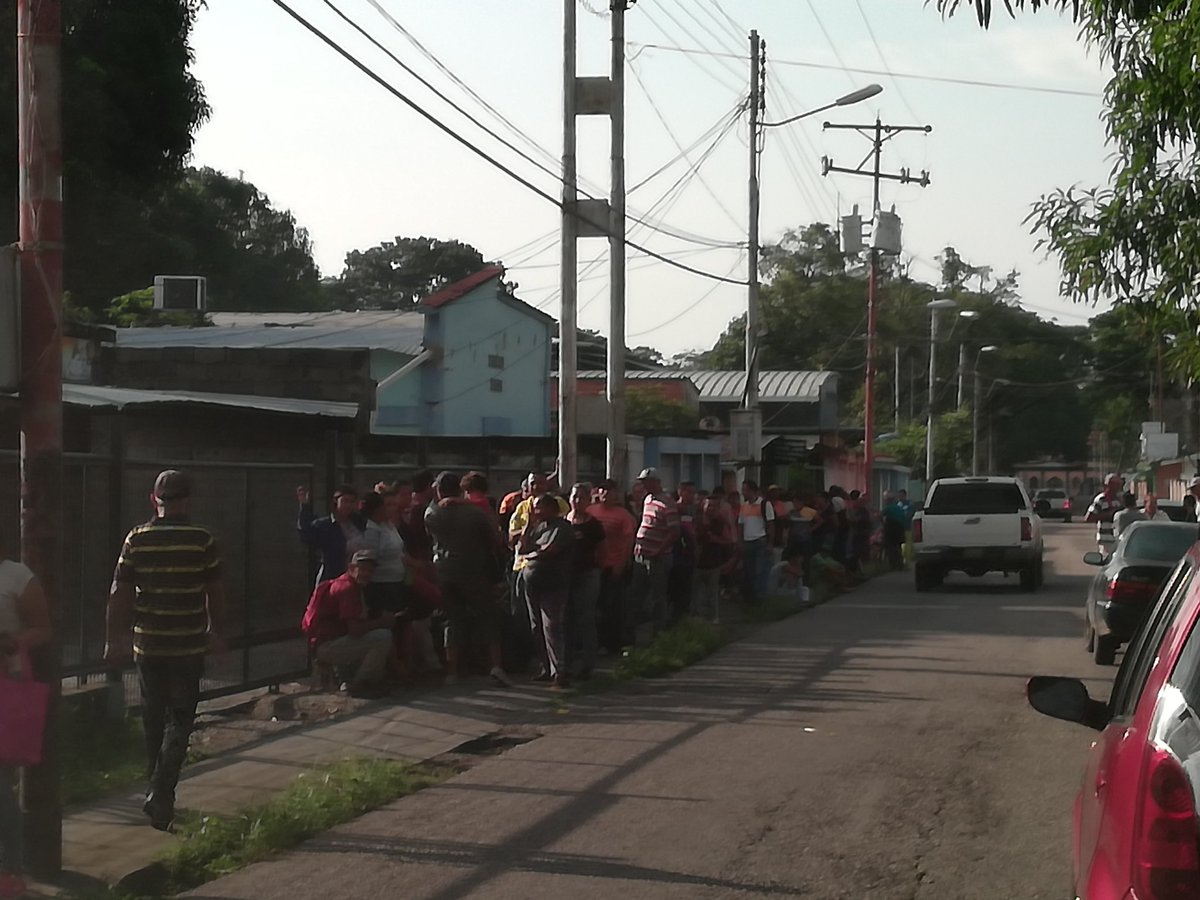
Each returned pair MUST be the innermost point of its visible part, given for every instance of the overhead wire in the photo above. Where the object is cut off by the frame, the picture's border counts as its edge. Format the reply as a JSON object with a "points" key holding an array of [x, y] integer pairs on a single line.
{"points": [[968, 82], [637, 77], [719, 77], [883, 59], [450, 132], [549, 169], [837, 54], [691, 306]]}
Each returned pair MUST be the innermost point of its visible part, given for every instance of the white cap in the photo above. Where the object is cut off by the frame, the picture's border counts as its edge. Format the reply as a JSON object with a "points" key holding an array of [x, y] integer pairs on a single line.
{"points": [[648, 473]]}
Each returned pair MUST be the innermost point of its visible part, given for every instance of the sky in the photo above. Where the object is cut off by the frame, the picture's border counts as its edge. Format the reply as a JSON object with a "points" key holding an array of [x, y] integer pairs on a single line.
{"points": [[357, 166]]}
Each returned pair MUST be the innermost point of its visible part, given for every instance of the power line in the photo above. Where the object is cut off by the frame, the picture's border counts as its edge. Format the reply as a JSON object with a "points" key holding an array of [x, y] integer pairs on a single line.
{"points": [[550, 169], [832, 46], [450, 132], [969, 82], [637, 77], [883, 59], [687, 309], [717, 77], [723, 121]]}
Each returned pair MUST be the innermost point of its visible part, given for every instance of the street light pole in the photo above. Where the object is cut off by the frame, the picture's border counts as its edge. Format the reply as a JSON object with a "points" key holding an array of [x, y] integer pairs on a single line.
{"points": [[933, 306], [750, 396], [990, 348]]}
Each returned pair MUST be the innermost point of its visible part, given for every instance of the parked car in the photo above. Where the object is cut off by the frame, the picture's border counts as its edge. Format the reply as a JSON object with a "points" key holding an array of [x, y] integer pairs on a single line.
{"points": [[1052, 504], [1137, 814], [977, 525], [1128, 581]]}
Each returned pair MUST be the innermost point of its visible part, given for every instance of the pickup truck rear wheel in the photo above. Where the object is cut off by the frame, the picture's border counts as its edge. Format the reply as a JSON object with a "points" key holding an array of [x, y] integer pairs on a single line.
{"points": [[1029, 578]]}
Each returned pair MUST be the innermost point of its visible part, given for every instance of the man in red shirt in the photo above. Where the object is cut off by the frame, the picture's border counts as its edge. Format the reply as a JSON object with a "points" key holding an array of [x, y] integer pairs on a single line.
{"points": [[613, 558], [340, 633]]}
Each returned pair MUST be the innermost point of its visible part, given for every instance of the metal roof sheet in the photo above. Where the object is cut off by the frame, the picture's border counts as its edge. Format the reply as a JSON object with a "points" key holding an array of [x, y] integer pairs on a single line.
{"points": [[105, 397], [728, 386], [773, 387], [401, 332]]}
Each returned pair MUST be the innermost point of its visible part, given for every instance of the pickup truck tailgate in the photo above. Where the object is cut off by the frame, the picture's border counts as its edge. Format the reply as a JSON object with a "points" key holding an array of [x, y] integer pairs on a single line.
{"points": [[974, 514]]}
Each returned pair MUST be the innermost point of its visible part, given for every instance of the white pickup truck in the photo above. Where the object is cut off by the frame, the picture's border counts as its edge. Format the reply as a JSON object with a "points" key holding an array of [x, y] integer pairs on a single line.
{"points": [[977, 525]]}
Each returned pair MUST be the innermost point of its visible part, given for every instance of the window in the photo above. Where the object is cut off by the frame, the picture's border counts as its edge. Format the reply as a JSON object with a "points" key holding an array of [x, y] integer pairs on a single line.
{"points": [[496, 385], [1160, 544], [976, 499], [495, 361]]}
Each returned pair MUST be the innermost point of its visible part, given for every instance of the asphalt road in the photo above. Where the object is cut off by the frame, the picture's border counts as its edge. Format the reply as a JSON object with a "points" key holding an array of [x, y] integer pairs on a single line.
{"points": [[878, 746]]}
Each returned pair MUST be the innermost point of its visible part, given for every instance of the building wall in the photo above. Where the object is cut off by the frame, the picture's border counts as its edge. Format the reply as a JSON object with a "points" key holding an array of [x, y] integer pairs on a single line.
{"points": [[493, 377], [264, 371], [398, 406]]}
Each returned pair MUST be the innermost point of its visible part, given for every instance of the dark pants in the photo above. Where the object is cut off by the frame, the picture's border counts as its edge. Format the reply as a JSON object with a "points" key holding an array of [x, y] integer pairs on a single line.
{"points": [[170, 692], [615, 629], [679, 587]]}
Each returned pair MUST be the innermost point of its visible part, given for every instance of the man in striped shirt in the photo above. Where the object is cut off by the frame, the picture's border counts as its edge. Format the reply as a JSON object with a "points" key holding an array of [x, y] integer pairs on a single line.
{"points": [[166, 593], [654, 549], [1104, 509]]}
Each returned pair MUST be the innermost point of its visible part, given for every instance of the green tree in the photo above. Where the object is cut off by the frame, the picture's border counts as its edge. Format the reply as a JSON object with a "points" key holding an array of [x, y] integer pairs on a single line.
{"points": [[130, 108], [255, 256], [1136, 240], [137, 308], [397, 274], [646, 412]]}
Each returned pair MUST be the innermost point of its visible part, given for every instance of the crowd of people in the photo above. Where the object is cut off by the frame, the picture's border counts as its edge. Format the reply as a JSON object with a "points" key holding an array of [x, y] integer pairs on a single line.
{"points": [[432, 575]]}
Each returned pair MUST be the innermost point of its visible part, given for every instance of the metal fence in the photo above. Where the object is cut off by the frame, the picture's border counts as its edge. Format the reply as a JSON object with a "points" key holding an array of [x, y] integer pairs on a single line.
{"points": [[251, 508]]}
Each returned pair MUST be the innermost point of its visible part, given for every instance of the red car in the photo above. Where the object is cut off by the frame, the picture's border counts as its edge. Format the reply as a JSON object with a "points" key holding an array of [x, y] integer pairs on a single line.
{"points": [[1136, 816]]}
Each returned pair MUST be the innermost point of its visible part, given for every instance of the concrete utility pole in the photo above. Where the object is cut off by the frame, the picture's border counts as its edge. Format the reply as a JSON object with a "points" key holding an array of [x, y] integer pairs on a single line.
{"points": [[617, 464], [568, 366], [39, 70], [879, 134], [757, 105]]}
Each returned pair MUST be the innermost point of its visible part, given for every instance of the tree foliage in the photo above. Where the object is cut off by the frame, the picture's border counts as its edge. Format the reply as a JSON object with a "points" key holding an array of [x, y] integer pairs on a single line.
{"points": [[255, 256], [646, 412], [397, 274], [130, 108]]}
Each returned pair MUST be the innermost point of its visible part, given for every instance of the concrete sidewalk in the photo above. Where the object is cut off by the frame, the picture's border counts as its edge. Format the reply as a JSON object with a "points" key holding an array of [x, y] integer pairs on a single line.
{"points": [[110, 840]]}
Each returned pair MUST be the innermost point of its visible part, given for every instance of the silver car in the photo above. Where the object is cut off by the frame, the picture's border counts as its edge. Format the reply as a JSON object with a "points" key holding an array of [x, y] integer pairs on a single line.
{"points": [[1124, 589]]}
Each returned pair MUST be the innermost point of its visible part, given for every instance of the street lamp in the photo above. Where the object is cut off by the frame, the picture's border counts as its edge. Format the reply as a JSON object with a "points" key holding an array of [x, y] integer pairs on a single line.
{"points": [[750, 396], [933, 306], [967, 315], [990, 348]]}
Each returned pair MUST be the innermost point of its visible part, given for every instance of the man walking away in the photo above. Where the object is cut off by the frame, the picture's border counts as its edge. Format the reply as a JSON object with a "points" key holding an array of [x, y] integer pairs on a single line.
{"points": [[340, 633], [1127, 515], [757, 521], [167, 592], [467, 550], [894, 521], [654, 549]]}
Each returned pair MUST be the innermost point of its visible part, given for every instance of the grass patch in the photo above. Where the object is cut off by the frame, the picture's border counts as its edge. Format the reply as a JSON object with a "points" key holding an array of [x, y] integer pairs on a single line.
{"points": [[212, 846], [684, 643], [99, 755]]}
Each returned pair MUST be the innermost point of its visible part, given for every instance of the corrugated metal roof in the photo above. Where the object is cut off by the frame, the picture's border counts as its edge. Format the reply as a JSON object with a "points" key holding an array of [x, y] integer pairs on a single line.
{"points": [[402, 332], [728, 386], [104, 397], [773, 387]]}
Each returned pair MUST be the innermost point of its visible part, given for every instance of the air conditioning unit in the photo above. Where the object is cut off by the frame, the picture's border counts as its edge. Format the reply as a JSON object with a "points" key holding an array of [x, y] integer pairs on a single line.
{"points": [[181, 293], [710, 423]]}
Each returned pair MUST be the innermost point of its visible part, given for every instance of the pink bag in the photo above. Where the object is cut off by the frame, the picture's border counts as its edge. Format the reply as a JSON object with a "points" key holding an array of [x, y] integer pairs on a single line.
{"points": [[23, 707]]}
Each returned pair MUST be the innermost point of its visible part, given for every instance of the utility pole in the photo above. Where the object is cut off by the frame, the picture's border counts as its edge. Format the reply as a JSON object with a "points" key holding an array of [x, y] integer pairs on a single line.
{"points": [[568, 367], [617, 465], [593, 96], [896, 391], [750, 396], [39, 71], [962, 373], [879, 134]]}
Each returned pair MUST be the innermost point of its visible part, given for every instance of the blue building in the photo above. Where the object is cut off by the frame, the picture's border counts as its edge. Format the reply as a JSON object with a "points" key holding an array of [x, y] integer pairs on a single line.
{"points": [[472, 361]]}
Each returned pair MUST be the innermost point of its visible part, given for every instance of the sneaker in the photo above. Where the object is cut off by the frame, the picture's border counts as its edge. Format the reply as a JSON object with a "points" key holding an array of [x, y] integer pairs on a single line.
{"points": [[500, 677], [160, 811]]}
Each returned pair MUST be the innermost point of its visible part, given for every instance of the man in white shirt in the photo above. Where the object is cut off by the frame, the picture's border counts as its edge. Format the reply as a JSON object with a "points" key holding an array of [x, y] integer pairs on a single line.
{"points": [[756, 521]]}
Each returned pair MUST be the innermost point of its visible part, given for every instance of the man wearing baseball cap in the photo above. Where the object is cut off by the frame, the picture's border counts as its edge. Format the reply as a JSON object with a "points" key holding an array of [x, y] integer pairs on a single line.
{"points": [[1104, 509], [340, 633], [167, 594], [654, 548]]}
